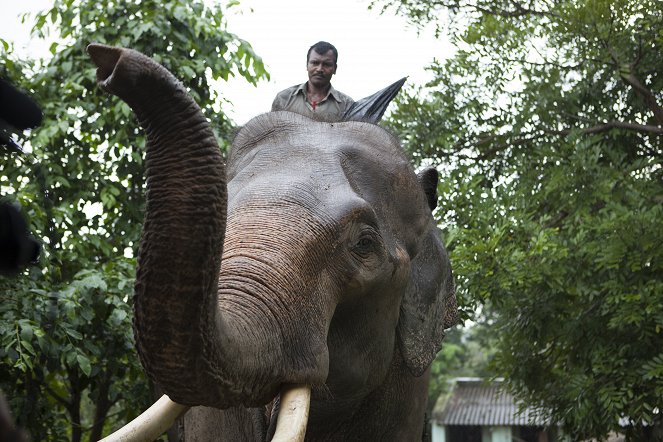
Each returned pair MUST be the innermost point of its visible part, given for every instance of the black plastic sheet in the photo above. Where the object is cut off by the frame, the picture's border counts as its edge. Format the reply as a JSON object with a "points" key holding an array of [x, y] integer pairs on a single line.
{"points": [[372, 108]]}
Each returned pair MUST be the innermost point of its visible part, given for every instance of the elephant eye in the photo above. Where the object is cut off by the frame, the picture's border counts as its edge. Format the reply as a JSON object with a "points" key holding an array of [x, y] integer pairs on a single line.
{"points": [[367, 243]]}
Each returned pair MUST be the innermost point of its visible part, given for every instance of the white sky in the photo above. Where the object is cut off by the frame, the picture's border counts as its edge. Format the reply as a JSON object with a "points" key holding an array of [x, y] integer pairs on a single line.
{"points": [[374, 50]]}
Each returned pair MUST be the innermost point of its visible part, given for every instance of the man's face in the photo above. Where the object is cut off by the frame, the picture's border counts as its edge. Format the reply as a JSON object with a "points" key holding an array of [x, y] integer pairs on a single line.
{"points": [[321, 68]]}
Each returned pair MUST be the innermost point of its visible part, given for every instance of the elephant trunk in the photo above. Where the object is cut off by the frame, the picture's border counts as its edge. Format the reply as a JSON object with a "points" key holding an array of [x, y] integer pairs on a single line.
{"points": [[176, 321]]}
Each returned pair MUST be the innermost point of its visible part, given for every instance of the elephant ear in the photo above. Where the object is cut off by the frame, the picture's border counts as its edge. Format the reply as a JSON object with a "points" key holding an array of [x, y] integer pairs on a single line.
{"points": [[429, 304], [428, 179]]}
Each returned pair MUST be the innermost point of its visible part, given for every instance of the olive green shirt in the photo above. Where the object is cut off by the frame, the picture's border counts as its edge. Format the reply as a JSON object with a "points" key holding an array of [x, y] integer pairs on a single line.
{"points": [[294, 99]]}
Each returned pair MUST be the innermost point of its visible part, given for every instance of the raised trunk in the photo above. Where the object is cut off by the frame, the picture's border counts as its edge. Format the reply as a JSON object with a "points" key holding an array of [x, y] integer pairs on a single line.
{"points": [[176, 315]]}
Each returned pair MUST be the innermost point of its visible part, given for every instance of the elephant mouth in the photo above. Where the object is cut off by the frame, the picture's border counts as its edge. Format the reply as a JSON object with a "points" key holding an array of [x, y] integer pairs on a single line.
{"points": [[288, 420]]}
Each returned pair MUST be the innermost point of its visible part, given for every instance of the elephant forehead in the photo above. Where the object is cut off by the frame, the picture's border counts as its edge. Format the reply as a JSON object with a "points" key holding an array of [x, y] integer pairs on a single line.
{"points": [[294, 198], [311, 171], [328, 166], [284, 138]]}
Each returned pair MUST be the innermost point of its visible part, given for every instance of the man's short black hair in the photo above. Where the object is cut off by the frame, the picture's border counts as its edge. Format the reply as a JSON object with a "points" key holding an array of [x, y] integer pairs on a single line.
{"points": [[322, 47]]}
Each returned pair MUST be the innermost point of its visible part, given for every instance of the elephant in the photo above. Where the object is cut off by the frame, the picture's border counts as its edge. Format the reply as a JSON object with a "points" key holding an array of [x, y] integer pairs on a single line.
{"points": [[310, 262]]}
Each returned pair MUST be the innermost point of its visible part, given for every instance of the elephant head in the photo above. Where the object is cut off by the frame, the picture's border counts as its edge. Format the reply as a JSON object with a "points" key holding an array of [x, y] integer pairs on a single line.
{"points": [[319, 264]]}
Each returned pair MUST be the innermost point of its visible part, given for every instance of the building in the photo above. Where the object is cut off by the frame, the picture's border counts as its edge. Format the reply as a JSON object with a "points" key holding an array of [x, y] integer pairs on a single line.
{"points": [[481, 411]]}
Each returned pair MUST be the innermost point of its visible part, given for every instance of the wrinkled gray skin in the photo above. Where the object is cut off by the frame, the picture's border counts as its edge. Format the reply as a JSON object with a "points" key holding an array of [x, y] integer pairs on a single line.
{"points": [[331, 272]]}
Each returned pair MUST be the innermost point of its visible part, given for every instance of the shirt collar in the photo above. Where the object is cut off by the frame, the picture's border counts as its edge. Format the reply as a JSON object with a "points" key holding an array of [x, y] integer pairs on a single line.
{"points": [[332, 92]]}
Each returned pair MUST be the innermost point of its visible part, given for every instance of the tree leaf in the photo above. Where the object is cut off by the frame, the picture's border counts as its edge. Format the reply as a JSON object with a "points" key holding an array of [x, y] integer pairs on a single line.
{"points": [[84, 364]]}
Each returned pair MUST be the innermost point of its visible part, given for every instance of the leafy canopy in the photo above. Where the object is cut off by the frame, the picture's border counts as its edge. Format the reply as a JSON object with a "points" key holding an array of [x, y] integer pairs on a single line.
{"points": [[66, 348], [546, 126]]}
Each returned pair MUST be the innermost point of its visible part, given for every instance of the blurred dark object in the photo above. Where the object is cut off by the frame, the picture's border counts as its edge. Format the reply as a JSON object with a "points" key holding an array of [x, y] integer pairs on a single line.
{"points": [[17, 112], [372, 108], [17, 247], [8, 431]]}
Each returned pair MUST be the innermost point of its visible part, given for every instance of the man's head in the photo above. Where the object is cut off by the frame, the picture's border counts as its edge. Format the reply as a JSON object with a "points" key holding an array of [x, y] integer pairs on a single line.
{"points": [[322, 47], [321, 63]]}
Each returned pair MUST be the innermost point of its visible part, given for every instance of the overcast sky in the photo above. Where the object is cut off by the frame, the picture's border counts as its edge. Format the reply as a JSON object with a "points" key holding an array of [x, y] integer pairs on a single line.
{"points": [[374, 50]]}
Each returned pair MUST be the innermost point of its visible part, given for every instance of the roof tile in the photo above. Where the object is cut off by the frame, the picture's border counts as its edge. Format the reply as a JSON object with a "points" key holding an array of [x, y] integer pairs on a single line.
{"points": [[478, 402]]}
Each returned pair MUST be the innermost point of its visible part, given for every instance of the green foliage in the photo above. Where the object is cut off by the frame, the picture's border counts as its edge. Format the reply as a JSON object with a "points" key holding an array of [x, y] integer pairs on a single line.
{"points": [[67, 340], [466, 352], [546, 126], [67, 362]]}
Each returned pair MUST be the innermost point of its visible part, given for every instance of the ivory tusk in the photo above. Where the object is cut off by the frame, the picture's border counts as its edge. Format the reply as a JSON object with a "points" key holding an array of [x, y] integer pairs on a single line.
{"points": [[154, 421], [293, 414]]}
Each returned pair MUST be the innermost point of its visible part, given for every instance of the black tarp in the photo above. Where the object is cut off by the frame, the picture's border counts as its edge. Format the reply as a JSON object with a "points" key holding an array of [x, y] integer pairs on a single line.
{"points": [[372, 108]]}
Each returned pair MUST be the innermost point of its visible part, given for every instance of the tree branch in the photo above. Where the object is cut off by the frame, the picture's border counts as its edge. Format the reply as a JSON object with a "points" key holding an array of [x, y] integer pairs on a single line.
{"points": [[545, 63], [56, 396], [528, 138], [520, 11], [640, 89], [614, 125], [644, 93]]}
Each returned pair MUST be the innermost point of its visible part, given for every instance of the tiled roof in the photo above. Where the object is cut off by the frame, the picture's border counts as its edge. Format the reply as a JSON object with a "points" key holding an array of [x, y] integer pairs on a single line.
{"points": [[478, 402]]}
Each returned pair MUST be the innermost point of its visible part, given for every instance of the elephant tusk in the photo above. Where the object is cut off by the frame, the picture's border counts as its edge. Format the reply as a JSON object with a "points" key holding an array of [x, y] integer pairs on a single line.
{"points": [[293, 414], [154, 421]]}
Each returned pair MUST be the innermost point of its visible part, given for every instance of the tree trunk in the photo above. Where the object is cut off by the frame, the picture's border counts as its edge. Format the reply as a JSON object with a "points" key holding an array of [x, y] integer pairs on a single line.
{"points": [[74, 407], [101, 410]]}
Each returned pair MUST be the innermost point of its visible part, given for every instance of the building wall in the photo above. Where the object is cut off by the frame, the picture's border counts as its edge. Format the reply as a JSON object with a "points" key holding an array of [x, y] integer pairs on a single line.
{"points": [[438, 433], [488, 434], [496, 434]]}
